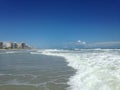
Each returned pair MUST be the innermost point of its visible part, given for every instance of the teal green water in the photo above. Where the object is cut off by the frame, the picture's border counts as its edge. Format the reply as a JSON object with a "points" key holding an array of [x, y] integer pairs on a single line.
{"points": [[20, 70]]}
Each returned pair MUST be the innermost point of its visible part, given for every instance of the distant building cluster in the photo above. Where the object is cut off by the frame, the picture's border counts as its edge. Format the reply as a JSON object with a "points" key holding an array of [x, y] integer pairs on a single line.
{"points": [[13, 45]]}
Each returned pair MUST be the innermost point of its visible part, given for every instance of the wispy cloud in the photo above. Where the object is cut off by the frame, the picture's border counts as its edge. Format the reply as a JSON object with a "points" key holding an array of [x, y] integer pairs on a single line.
{"points": [[79, 42], [105, 45], [83, 44], [75, 44]]}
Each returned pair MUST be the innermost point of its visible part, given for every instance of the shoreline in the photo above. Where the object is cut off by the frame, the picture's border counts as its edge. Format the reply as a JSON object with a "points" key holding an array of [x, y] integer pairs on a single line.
{"points": [[13, 49]]}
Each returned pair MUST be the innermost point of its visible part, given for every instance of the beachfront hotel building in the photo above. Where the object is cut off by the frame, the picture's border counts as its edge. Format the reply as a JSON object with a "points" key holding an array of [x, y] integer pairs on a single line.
{"points": [[21, 45], [9, 45], [14, 45], [1, 45]]}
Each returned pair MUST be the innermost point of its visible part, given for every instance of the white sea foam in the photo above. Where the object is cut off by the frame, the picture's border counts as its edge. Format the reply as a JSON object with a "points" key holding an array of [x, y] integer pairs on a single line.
{"points": [[96, 69], [8, 52]]}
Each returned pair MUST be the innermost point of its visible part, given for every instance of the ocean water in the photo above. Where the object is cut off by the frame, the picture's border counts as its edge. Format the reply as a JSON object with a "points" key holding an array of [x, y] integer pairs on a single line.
{"points": [[52, 69], [26, 70]]}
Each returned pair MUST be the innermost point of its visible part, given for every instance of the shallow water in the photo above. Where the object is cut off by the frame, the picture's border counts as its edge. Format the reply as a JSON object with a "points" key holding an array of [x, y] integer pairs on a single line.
{"points": [[21, 70], [52, 69]]}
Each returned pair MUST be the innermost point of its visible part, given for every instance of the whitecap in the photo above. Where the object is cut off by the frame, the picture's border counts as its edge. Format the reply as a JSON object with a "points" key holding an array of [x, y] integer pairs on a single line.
{"points": [[96, 69]]}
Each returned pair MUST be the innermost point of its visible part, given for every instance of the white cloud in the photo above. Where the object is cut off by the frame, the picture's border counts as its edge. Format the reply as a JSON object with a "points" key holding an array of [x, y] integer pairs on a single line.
{"points": [[80, 42], [83, 44], [77, 43]]}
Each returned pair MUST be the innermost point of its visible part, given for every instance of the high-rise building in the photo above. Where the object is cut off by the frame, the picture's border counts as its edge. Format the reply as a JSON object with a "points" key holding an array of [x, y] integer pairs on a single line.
{"points": [[21, 45], [9, 45], [15, 45], [1, 45]]}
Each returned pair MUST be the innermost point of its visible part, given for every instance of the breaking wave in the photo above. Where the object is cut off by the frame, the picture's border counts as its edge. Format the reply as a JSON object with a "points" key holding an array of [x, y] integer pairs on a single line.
{"points": [[97, 69]]}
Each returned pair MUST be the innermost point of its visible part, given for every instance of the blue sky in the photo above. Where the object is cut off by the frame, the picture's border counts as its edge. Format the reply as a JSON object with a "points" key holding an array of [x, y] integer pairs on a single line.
{"points": [[53, 23]]}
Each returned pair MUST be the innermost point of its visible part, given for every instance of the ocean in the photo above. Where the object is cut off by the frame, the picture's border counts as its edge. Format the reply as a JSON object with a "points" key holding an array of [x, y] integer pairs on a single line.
{"points": [[59, 69]]}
